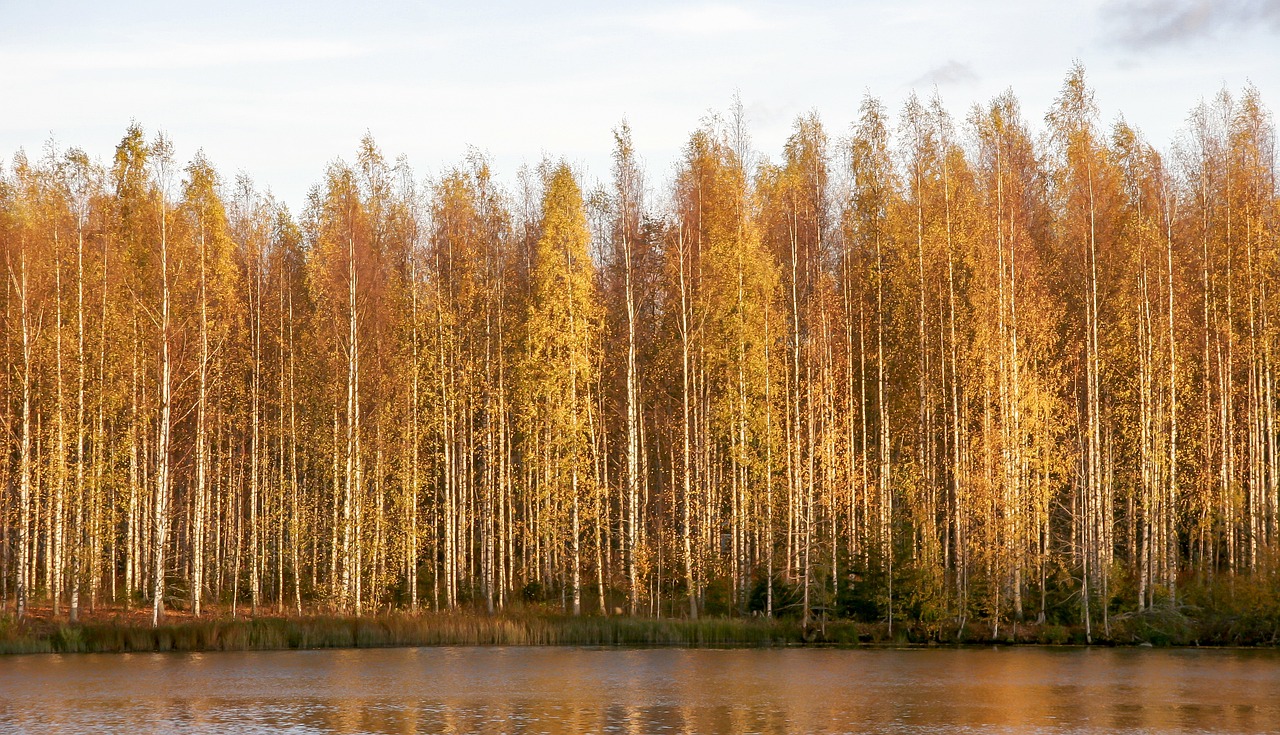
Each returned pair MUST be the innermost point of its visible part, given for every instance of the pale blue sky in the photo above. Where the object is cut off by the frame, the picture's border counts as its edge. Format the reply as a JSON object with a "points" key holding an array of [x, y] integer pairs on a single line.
{"points": [[278, 90]]}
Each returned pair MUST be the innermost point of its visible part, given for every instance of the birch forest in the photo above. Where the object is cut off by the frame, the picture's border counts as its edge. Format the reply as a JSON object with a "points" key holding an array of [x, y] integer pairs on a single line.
{"points": [[914, 368]]}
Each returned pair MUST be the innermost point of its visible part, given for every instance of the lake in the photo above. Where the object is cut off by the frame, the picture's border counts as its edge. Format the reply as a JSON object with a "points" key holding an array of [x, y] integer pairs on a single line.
{"points": [[581, 690]]}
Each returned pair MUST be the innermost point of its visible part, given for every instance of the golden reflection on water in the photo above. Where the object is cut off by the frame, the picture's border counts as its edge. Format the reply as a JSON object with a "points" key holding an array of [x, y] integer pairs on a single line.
{"points": [[573, 690]]}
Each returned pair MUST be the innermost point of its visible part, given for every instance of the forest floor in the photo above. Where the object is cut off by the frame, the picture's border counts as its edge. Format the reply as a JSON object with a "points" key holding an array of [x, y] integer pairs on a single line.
{"points": [[124, 629]]}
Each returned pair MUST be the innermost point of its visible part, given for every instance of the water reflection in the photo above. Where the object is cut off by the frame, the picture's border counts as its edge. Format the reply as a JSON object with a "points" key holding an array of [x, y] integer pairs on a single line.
{"points": [[565, 690]]}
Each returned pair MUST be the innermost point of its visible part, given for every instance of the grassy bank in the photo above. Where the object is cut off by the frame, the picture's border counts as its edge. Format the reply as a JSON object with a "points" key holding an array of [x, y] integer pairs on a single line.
{"points": [[47, 634], [272, 633]]}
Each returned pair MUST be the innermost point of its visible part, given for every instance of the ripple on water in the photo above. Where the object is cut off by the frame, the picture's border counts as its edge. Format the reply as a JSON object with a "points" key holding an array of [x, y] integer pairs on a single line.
{"points": [[568, 690]]}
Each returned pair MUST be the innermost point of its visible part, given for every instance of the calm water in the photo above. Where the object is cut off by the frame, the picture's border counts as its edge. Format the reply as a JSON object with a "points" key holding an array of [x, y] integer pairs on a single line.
{"points": [[567, 690]]}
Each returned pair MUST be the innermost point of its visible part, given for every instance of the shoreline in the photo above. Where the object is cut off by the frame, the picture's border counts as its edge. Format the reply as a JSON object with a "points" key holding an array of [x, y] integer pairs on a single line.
{"points": [[123, 633]]}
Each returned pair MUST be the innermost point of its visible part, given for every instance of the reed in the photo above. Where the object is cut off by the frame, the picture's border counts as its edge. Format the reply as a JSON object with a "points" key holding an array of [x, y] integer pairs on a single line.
{"points": [[1200, 618], [428, 629]]}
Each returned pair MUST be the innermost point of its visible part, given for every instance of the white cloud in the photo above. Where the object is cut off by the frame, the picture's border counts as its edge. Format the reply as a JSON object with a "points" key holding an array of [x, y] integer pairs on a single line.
{"points": [[952, 72], [1147, 23], [702, 20], [142, 55]]}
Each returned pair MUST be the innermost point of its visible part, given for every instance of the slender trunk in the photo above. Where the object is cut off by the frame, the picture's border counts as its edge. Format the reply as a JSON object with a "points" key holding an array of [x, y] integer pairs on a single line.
{"points": [[349, 485], [633, 428], [161, 508], [1170, 550], [79, 540], [687, 510], [23, 586], [202, 453]]}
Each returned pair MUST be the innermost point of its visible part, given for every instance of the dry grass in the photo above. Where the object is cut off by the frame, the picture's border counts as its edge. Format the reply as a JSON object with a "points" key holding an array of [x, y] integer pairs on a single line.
{"points": [[121, 631]]}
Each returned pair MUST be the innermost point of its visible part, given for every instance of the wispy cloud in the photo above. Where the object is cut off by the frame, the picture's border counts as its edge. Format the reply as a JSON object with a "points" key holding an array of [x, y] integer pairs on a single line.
{"points": [[1150, 23], [136, 56], [952, 72], [713, 19]]}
